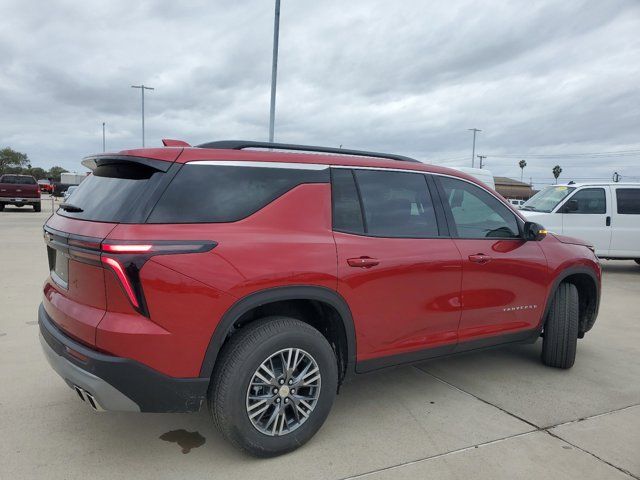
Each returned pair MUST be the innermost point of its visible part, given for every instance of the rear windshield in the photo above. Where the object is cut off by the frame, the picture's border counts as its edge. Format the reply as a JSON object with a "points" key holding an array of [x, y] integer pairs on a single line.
{"points": [[111, 192], [209, 193], [18, 179]]}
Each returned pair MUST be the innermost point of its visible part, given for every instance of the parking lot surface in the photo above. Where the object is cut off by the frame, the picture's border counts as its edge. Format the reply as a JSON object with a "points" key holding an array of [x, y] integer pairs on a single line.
{"points": [[493, 414]]}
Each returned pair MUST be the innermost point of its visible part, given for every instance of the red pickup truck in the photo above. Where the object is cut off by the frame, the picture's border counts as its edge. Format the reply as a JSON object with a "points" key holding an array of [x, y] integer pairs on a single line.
{"points": [[19, 190]]}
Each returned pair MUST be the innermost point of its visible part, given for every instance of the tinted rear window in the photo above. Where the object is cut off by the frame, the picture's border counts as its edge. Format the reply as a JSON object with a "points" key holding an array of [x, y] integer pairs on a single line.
{"points": [[206, 193], [111, 192], [17, 180], [628, 201]]}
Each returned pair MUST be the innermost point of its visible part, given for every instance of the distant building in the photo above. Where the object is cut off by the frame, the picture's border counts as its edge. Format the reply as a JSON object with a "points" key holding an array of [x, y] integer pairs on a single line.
{"points": [[510, 188]]}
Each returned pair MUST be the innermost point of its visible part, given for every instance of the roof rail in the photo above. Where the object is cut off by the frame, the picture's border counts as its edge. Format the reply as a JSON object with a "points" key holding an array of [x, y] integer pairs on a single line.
{"points": [[242, 144]]}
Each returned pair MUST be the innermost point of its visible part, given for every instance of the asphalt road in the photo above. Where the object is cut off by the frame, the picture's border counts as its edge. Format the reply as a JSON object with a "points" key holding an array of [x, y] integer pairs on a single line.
{"points": [[494, 414]]}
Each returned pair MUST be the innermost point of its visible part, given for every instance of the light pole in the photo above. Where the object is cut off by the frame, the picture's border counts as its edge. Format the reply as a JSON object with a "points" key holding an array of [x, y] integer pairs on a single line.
{"points": [[473, 151], [481, 157], [142, 89], [103, 139], [274, 70]]}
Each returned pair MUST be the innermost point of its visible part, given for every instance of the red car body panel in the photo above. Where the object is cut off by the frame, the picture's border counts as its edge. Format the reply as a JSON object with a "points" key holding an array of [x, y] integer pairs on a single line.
{"points": [[422, 293]]}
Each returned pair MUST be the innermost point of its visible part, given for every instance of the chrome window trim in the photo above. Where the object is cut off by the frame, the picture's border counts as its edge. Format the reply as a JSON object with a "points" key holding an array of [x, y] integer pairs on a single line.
{"points": [[286, 165]]}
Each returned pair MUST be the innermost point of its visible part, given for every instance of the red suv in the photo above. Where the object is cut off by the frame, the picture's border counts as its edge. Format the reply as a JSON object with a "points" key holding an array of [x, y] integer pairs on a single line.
{"points": [[257, 280]]}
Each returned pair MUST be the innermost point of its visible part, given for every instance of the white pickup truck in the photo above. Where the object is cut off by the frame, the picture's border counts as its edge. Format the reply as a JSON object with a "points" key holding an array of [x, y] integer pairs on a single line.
{"points": [[605, 214]]}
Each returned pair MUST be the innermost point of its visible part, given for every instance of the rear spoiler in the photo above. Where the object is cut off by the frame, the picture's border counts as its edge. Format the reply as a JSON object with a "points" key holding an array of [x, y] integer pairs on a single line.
{"points": [[98, 160]]}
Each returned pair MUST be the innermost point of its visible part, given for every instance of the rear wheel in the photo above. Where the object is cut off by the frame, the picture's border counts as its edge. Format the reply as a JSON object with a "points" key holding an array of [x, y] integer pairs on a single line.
{"points": [[36, 207], [1, 207], [273, 386], [561, 328], [637, 260]]}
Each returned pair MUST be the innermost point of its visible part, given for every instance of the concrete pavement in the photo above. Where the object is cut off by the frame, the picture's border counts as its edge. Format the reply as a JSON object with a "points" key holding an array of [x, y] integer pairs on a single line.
{"points": [[492, 414]]}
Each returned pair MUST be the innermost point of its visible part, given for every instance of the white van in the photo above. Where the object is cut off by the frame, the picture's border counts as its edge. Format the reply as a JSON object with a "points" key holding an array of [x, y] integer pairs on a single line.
{"points": [[482, 174], [605, 214]]}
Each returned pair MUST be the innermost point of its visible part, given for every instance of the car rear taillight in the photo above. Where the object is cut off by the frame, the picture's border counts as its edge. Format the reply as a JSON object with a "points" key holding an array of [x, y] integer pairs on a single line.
{"points": [[126, 259]]}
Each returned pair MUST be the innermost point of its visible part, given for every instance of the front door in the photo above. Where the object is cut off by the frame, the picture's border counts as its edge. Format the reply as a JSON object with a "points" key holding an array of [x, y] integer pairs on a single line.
{"points": [[504, 277], [399, 275], [587, 215]]}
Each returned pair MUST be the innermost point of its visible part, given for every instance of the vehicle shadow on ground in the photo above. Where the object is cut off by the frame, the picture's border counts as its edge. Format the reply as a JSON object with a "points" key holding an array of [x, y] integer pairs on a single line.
{"points": [[363, 402]]}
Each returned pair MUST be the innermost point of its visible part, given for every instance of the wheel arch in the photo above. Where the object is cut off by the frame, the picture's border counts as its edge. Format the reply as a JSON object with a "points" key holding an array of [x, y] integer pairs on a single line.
{"points": [[587, 283], [240, 314]]}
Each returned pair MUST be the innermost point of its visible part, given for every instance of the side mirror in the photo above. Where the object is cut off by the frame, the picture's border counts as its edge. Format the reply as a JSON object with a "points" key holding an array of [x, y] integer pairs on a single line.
{"points": [[570, 206], [534, 232]]}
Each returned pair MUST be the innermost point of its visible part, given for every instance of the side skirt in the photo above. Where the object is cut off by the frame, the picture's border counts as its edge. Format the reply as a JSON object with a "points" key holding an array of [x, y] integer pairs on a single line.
{"points": [[527, 336]]}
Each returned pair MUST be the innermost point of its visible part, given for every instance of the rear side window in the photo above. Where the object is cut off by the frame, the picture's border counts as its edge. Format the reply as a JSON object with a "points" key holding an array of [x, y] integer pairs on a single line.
{"points": [[17, 180], [347, 213], [396, 204], [476, 213], [628, 201], [111, 192], [209, 193]]}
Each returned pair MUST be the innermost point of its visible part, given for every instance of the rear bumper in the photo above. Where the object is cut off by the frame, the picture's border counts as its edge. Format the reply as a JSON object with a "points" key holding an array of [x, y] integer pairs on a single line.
{"points": [[19, 200], [115, 383]]}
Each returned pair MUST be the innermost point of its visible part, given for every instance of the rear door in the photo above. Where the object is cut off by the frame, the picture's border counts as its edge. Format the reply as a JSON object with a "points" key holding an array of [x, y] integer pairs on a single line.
{"points": [[625, 222], [504, 278], [397, 268], [587, 215]]}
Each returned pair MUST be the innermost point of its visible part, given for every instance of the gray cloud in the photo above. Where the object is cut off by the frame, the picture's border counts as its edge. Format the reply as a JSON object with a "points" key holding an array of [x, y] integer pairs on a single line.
{"points": [[409, 77]]}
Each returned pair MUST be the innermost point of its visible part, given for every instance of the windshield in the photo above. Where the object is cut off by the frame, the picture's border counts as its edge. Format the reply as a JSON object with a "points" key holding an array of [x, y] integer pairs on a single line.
{"points": [[547, 199]]}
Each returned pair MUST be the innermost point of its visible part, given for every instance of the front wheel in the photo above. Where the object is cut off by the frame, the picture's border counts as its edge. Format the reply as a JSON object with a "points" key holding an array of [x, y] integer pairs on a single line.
{"points": [[637, 260], [273, 386], [561, 328]]}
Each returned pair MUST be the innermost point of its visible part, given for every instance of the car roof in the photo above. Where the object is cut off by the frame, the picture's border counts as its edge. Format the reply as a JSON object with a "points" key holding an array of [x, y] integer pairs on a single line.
{"points": [[191, 154], [597, 184]]}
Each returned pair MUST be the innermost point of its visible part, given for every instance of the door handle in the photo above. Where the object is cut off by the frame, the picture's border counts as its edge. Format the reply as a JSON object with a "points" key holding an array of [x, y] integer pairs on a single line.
{"points": [[479, 258], [363, 262], [608, 221]]}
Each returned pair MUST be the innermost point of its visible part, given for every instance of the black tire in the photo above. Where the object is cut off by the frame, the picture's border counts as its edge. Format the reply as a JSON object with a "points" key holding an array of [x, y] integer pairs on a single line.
{"points": [[560, 337], [1, 207], [637, 260], [239, 360], [37, 207]]}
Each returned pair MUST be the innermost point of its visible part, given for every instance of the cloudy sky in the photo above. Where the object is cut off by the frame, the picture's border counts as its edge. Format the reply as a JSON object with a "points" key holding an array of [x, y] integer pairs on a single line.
{"points": [[553, 82]]}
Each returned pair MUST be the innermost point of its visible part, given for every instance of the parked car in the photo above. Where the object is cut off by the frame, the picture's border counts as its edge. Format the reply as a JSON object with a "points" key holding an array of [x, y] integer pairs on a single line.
{"points": [[607, 215], [70, 190], [258, 281], [515, 202], [19, 190], [45, 186], [59, 188]]}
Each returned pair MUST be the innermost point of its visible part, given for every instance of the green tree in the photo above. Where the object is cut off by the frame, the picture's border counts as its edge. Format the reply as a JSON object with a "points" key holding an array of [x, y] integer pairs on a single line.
{"points": [[557, 170], [54, 173], [522, 164], [10, 159], [37, 172]]}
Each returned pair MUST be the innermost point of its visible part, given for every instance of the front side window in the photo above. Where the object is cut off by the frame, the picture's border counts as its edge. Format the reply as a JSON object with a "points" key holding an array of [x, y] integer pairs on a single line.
{"points": [[628, 201], [396, 204], [476, 213], [587, 201]]}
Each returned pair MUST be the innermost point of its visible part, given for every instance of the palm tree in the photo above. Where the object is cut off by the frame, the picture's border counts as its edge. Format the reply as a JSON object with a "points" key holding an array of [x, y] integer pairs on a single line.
{"points": [[522, 164], [557, 170]]}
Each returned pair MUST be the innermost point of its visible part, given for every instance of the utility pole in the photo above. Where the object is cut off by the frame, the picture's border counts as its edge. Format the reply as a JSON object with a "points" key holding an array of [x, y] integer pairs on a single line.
{"points": [[481, 157], [142, 89], [473, 151], [274, 70], [103, 139]]}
